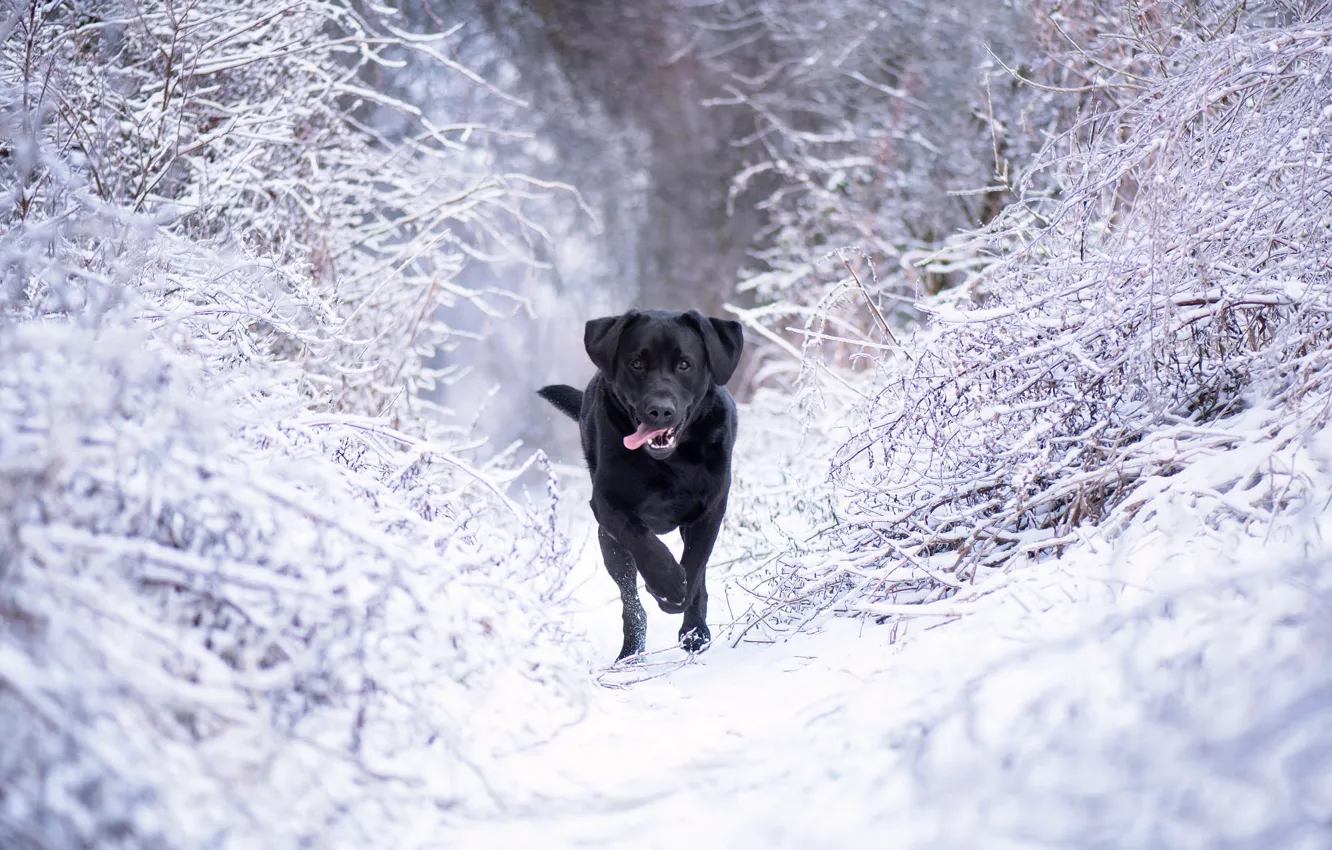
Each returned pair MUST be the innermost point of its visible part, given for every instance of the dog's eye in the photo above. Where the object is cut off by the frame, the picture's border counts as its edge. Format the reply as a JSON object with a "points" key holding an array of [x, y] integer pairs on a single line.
{"points": [[636, 364], [684, 366]]}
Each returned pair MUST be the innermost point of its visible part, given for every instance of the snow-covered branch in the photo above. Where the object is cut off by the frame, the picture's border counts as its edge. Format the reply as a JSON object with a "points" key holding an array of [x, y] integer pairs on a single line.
{"points": [[1170, 309]]}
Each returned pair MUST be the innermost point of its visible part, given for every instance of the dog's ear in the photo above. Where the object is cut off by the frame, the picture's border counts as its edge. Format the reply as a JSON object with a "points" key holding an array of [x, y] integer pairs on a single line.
{"points": [[723, 340], [601, 338]]}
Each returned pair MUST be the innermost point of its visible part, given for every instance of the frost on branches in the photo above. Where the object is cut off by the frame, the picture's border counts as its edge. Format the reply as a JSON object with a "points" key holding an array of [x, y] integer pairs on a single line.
{"points": [[880, 125], [253, 591], [1180, 278]]}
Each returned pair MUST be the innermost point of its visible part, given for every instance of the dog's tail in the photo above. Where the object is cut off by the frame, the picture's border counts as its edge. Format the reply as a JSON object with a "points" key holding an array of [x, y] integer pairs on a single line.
{"points": [[566, 398]]}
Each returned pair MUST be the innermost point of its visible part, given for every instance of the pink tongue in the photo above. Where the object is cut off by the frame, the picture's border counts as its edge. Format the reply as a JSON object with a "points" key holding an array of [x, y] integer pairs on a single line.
{"points": [[641, 436]]}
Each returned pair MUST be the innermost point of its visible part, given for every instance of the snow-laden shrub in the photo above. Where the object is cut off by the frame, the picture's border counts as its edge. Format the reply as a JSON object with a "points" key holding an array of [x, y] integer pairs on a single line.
{"points": [[882, 129], [243, 122], [878, 124], [1163, 685], [253, 592], [1182, 274], [889, 131], [221, 630]]}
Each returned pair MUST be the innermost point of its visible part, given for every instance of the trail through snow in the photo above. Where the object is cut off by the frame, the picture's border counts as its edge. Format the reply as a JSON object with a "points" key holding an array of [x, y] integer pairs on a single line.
{"points": [[729, 749], [1163, 687], [662, 735]]}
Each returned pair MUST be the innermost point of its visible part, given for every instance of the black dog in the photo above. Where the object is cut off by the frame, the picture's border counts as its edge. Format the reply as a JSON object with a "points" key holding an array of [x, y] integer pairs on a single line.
{"points": [[657, 427]]}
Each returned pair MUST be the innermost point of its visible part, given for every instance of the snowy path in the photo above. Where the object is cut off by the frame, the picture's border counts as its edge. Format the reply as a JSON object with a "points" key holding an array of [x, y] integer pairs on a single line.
{"points": [[1159, 686], [1090, 701], [706, 728], [721, 751]]}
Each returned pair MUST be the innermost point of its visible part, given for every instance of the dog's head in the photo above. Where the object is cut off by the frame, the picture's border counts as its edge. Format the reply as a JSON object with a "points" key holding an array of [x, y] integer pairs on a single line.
{"points": [[660, 366]]}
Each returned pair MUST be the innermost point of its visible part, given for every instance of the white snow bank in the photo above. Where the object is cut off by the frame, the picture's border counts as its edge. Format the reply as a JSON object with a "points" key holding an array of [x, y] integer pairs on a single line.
{"points": [[1163, 683]]}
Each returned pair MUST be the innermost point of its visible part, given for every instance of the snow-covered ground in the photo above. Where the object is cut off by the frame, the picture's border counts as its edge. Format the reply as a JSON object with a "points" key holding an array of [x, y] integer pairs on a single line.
{"points": [[1164, 685], [669, 731], [259, 590]]}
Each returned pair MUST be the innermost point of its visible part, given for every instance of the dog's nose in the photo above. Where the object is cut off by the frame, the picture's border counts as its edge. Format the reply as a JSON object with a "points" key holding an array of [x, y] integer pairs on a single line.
{"points": [[660, 413]]}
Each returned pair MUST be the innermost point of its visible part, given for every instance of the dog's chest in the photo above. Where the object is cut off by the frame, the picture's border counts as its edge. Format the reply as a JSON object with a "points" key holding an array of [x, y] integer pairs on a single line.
{"points": [[673, 495]]}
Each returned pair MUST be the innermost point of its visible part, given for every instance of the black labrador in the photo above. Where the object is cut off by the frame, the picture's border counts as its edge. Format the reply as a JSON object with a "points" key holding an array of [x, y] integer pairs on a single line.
{"points": [[657, 428]]}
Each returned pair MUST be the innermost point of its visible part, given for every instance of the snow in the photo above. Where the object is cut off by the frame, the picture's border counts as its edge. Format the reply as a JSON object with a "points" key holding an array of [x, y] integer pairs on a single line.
{"points": [[1164, 685], [656, 740], [1052, 573]]}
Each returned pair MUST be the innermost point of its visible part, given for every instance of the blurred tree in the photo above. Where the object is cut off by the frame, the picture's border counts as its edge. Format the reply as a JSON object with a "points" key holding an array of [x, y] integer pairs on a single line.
{"points": [[655, 157]]}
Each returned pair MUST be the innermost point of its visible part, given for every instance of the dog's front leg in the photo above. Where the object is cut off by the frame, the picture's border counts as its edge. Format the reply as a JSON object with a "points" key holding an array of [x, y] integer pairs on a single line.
{"points": [[620, 564], [662, 575], [699, 538]]}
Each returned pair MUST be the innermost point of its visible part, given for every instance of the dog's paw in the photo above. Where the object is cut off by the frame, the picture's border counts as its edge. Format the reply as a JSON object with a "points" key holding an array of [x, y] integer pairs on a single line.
{"points": [[671, 597], [669, 606], [630, 654], [695, 638]]}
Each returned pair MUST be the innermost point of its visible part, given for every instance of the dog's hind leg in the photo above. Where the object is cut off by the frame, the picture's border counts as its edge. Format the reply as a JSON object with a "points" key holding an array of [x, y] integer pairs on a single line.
{"points": [[620, 565]]}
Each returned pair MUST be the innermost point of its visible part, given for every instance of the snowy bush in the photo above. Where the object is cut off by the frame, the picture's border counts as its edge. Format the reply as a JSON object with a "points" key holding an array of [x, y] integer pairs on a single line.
{"points": [[238, 122], [209, 615], [1180, 275], [883, 129], [254, 590], [1162, 685]]}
